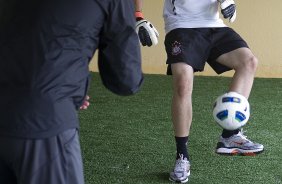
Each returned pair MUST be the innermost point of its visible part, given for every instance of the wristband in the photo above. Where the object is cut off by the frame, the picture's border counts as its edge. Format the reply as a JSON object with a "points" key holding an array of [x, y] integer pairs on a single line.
{"points": [[139, 14]]}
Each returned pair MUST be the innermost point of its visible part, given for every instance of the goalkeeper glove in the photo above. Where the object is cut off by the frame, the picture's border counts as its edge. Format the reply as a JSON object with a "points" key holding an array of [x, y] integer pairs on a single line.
{"points": [[148, 35], [228, 9]]}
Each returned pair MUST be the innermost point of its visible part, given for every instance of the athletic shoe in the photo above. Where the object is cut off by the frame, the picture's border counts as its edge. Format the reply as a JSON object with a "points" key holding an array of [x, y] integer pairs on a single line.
{"points": [[238, 144], [181, 171]]}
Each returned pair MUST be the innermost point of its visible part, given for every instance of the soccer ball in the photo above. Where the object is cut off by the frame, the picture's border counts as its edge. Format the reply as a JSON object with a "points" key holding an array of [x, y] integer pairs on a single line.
{"points": [[231, 111]]}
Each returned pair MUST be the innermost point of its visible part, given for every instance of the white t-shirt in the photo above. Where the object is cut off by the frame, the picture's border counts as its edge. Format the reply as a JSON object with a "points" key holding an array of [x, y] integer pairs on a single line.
{"points": [[191, 14]]}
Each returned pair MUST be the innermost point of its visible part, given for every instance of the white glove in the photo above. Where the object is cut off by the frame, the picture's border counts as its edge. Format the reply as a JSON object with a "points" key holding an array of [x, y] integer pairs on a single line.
{"points": [[228, 9], [148, 34]]}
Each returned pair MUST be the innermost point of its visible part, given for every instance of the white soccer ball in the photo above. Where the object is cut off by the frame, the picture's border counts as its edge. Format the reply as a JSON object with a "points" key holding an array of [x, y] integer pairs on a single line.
{"points": [[231, 111]]}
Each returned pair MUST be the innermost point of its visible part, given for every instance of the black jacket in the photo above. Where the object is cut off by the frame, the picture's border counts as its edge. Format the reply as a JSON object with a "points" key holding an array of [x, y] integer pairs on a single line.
{"points": [[45, 49]]}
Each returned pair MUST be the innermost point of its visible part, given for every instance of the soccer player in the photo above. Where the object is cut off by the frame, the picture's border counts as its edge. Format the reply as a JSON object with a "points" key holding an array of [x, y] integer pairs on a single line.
{"points": [[195, 34], [45, 49]]}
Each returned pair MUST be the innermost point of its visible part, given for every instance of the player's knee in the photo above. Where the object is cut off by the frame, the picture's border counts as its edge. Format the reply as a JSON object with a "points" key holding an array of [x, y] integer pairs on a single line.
{"points": [[183, 89], [251, 64]]}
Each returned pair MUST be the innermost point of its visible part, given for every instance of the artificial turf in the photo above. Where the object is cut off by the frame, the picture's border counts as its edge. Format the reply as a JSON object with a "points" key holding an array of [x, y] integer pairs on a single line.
{"points": [[129, 140]]}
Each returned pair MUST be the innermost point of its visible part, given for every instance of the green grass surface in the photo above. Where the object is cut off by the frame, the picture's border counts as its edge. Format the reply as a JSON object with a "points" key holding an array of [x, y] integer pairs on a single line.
{"points": [[129, 140]]}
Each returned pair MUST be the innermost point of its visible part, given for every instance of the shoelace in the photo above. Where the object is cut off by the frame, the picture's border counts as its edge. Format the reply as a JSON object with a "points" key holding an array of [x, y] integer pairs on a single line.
{"points": [[181, 164], [241, 134]]}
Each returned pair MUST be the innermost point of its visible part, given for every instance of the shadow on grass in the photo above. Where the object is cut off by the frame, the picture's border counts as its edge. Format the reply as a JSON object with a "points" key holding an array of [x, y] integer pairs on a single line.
{"points": [[155, 177]]}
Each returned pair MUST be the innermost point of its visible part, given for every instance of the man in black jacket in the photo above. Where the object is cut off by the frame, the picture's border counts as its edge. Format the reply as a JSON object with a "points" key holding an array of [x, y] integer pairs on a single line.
{"points": [[45, 49]]}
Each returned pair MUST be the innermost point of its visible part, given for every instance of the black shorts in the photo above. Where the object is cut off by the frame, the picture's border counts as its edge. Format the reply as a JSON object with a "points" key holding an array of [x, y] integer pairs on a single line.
{"points": [[196, 46]]}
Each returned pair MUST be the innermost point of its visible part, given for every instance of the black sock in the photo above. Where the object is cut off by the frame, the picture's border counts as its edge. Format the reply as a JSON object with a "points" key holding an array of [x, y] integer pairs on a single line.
{"points": [[229, 133], [181, 147]]}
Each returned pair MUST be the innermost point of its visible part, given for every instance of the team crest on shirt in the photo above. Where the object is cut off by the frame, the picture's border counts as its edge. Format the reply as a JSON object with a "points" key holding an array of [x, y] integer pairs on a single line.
{"points": [[176, 48]]}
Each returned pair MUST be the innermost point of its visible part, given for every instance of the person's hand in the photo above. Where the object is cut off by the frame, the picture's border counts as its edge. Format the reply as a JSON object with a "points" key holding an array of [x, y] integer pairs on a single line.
{"points": [[228, 9], [85, 104], [147, 33]]}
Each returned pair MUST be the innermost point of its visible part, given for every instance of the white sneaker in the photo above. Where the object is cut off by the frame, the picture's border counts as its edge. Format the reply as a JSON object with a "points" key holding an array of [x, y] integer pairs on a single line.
{"points": [[181, 171], [238, 145]]}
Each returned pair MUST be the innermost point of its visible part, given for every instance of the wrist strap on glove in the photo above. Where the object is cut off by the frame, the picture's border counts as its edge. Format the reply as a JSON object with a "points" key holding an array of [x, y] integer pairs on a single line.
{"points": [[228, 9], [139, 14]]}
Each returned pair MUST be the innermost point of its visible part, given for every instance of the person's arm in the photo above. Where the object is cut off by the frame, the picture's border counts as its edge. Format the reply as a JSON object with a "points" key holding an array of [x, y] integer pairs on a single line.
{"points": [[138, 10], [138, 5]]}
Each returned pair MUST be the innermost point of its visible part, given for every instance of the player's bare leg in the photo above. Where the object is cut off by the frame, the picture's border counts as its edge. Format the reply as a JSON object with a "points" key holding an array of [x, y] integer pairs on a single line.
{"points": [[181, 109]]}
